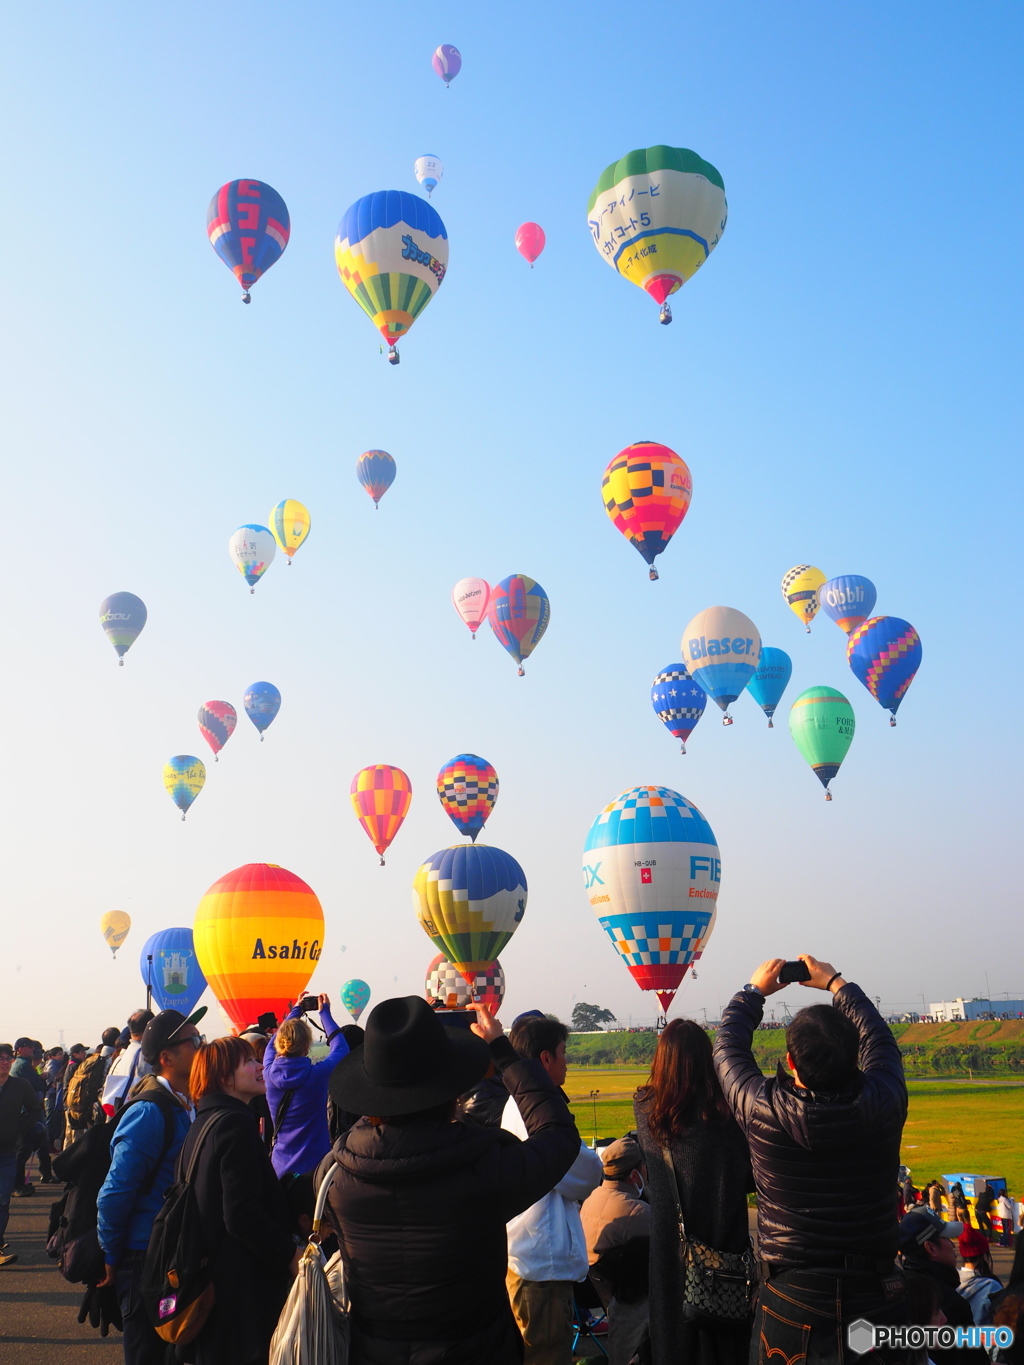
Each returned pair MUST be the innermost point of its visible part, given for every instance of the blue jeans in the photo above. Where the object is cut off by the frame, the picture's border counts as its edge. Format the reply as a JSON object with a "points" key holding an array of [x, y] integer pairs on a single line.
{"points": [[8, 1165], [802, 1315], [142, 1346]]}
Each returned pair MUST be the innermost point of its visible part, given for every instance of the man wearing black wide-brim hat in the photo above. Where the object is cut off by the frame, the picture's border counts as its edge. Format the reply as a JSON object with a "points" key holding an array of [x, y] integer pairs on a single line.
{"points": [[420, 1201]]}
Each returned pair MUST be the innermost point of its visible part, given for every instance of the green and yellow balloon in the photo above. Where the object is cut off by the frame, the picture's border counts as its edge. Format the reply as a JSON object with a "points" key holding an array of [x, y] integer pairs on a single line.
{"points": [[822, 722]]}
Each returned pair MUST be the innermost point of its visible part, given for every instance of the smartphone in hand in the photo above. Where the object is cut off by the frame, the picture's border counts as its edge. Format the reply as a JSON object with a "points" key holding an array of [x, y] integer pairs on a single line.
{"points": [[794, 971]]}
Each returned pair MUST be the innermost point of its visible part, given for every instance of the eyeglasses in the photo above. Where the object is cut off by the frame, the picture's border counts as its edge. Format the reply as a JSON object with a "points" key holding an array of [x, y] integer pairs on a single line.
{"points": [[197, 1041]]}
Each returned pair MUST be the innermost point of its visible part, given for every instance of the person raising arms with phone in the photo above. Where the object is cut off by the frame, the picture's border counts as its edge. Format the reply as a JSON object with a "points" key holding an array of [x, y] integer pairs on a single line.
{"points": [[297, 1088]]}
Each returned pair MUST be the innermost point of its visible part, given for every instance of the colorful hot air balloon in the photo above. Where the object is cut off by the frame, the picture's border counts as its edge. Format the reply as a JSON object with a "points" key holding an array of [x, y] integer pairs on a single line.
{"points": [[470, 900], [652, 871], [445, 982], [114, 926], [885, 654], [259, 933], [217, 721], [184, 779], [428, 171], [470, 597], [252, 548], [381, 797], [722, 649], [518, 612], [678, 701], [467, 787], [530, 241], [375, 470], [800, 589], [122, 616], [848, 600], [355, 996], [262, 701], [248, 227], [290, 523], [392, 254], [646, 492], [171, 971], [447, 62], [656, 216], [770, 680], [822, 722]]}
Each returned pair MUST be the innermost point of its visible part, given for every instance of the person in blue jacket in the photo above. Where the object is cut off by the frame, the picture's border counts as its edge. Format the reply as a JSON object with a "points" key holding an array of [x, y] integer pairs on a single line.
{"points": [[143, 1151], [297, 1090]]}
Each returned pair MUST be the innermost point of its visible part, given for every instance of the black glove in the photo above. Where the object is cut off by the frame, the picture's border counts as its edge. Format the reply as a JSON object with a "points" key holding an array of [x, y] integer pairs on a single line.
{"points": [[102, 1309]]}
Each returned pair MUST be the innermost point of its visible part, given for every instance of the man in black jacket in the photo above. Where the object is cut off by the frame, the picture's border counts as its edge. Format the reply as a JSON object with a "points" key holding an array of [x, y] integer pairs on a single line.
{"points": [[20, 1110], [824, 1145]]}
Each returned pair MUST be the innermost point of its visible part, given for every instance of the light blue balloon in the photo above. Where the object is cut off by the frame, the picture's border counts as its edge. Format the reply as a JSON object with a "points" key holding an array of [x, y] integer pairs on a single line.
{"points": [[262, 701], [770, 680], [173, 974], [848, 600]]}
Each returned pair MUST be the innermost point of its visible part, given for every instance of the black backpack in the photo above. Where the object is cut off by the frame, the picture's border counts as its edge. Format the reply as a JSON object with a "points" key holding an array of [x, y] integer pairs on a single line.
{"points": [[72, 1240]]}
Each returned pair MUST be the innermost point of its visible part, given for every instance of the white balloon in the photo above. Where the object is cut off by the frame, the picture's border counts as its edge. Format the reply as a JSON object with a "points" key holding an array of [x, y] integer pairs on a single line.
{"points": [[252, 548], [428, 171], [470, 597]]}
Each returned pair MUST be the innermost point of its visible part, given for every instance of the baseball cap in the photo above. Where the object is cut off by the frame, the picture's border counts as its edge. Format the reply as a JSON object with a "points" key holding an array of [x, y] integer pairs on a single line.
{"points": [[620, 1157], [22, 1042], [161, 1029], [921, 1225], [528, 1014]]}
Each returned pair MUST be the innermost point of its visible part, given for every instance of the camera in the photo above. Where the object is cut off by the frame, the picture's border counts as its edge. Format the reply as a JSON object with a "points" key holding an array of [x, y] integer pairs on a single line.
{"points": [[794, 971], [456, 1018], [310, 1002]]}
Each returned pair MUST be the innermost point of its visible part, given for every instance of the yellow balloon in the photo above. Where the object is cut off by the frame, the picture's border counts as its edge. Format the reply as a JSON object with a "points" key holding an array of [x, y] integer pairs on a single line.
{"points": [[290, 523], [800, 589], [115, 925]]}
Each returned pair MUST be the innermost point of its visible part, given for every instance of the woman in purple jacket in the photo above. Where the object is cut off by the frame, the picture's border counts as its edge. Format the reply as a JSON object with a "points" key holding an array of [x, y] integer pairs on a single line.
{"points": [[297, 1091]]}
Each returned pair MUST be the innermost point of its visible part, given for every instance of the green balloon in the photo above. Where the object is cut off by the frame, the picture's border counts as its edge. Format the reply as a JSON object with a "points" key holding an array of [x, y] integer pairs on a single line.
{"points": [[822, 722]]}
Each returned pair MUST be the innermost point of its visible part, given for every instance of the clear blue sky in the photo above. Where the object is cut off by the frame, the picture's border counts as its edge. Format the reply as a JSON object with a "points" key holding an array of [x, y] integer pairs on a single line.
{"points": [[843, 379]]}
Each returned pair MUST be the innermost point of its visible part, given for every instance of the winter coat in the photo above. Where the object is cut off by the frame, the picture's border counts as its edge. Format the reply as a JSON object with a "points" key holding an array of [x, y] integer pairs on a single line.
{"points": [[20, 1111], [420, 1209], [246, 1227], [824, 1163], [956, 1309], [978, 1290], [304, 1139], [613, 1215]]}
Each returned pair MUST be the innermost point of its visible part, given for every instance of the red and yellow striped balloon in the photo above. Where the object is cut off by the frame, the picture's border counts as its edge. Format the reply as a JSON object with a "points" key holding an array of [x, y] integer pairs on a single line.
{"points": [[259, 933], [381, 797], [646, 491]]}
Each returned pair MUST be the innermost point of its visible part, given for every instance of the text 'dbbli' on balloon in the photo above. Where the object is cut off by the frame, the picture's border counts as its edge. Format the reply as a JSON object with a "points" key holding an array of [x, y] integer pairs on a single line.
{"points": [[652, 873], [722, 649], [822, 723], [290, 523], [170, 969], [122, 616], [885, 654], [800, 589], [467, 787], [252, 549], [184, 779], [375, 470], [446, 983], [470, 900], [248, 227], [848, 600], [518, 613], [355, 996], [114, 926], [678, 701], [646, 490], [217, 721], [261, 701], [381, 796], [770, 680]]}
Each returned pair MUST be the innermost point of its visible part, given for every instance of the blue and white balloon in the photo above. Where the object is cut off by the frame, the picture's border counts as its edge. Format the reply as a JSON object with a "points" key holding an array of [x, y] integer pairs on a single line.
{"points": [[171, 969], [428, 171], [722, 649]]}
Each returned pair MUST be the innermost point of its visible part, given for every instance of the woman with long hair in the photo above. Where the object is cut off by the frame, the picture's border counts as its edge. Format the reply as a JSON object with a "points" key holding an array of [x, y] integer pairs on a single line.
{"points": [[695, 1152]]}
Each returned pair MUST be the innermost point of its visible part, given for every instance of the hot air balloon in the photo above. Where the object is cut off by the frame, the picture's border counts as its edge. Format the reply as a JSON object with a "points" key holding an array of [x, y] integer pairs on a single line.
{"points": [[470, 900], [656, 216], [518, 612], [381, 797], [770, 680], [822, 722], [467, 787], [171, 971], [122, 616], [115, 925], [848, 600], [447, 62], [290, 523], [530, 241], [445, 982], [217, 721], [678, 701], [392, 254], [375, 470], [248, 227], [355, 996], [184, 779], [646, 492], [252, 548], [800, 589], [428, 171], [259, 933], [470, 597], [262, 701], [652, 872], [885, 654], [722, 649]]}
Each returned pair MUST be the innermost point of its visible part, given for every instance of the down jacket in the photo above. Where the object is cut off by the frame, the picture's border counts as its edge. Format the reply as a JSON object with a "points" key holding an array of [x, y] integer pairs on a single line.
{"points": [[825, 1165]]}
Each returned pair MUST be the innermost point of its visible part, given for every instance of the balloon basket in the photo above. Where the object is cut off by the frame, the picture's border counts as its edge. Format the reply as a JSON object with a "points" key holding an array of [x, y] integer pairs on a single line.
{"points": [[522, 671], [665, 316], [892, 722], [682, 748], [808, 629], [216, 758], [727, 719], [828, 796], [653, 575], [261, 737], [771, 725], [120, 663], [393, 357], [661, 1023], [252, 592], [182, 817], [382, 860], [247, 297]]}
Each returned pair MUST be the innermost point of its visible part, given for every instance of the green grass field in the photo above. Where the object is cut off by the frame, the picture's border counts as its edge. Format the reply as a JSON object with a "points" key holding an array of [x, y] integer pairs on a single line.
{"points": [[951, 1127]]}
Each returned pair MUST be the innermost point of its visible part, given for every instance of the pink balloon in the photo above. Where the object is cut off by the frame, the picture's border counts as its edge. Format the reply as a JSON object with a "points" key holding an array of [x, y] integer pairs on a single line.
{"points": [[470, 597], [530, 241]]}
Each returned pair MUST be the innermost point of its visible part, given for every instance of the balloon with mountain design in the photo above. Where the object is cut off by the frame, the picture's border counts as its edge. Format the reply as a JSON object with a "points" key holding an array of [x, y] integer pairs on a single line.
{"points": [[470, 900]]}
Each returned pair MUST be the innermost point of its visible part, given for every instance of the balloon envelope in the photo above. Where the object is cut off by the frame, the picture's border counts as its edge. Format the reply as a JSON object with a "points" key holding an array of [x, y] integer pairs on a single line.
{"points": [[447, 62], [262, 701], [252, 548], [428, 171], [259, 934], [530, 240], [114, 926], [848, 600], [122, 616], [174, 974], [646, 491], [885, 654], [678, 701], [184, 779], [722, 649], [518, 612], [375, 470], [290, 523], [248, 227], [217, 721], [656, 215], [470, 900], [652, 873], [381, 797], [770, 680], [470, 597], [800, 589], [822, 723], [355, 996], [467, 787], [445, 982]]}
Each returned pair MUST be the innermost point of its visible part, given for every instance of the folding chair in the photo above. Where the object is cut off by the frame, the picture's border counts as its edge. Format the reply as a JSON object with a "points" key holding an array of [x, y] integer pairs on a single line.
{"points": [[585, 1297]]}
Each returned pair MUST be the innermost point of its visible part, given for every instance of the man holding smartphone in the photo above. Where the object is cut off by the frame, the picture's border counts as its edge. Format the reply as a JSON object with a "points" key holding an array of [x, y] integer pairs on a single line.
{"points": [[824, 1144]]}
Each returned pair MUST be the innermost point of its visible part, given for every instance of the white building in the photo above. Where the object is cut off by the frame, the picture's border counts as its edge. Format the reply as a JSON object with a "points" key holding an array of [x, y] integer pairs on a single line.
{"points": [[951, 1010]]}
